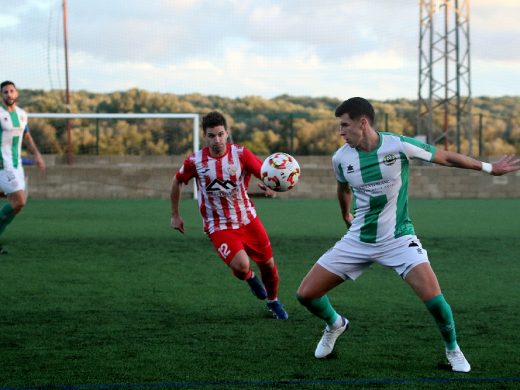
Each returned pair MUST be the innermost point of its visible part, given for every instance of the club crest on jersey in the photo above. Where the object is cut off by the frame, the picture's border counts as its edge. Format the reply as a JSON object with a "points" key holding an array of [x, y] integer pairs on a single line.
{"points": [[389, 159], [232, 170]]}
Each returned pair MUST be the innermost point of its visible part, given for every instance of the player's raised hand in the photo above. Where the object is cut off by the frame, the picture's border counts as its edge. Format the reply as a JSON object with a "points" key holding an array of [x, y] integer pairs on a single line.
{"points": [[268, 193], [177, 223], [505, 165]]}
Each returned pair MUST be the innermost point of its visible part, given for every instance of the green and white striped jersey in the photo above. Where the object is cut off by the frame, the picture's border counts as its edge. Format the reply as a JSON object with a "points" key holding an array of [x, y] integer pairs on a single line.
{"points": [[379, 181], [12, 127]]}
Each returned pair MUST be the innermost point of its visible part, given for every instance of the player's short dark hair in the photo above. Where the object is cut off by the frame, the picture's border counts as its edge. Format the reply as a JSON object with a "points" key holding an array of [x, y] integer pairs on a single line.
{"points": [[356, 107], [213, 119], [5, 83]]}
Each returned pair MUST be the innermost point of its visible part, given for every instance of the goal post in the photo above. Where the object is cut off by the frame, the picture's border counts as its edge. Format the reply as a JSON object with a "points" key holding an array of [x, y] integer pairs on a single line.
{"points": [[193, 116]]}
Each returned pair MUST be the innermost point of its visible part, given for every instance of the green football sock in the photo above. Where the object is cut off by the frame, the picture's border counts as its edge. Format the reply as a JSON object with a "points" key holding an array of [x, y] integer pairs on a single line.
{"points": [[6, 216], [321, 308], [441, 312]]}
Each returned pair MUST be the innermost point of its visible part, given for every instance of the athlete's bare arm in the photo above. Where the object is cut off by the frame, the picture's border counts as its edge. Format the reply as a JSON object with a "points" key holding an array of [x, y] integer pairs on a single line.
{"points": [[345, 200], [177, 222], [452, 159], [35, 152]]}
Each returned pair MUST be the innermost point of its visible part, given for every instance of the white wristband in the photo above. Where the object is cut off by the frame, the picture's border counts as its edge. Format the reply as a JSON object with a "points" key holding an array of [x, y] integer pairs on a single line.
{"points": [[487, 167]]}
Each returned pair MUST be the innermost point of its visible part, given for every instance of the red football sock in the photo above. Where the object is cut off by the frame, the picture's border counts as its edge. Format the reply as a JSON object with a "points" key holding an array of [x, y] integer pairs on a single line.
{"points": [[242, 275], [270, 280]]}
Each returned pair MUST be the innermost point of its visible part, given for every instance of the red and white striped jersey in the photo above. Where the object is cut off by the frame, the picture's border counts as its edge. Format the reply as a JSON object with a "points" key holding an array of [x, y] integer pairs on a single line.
{"points": [[222, 184]]}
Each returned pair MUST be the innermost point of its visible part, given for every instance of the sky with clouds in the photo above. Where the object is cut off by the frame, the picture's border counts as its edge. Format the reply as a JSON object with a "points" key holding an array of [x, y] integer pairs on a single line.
{"points": [[235, 48]]}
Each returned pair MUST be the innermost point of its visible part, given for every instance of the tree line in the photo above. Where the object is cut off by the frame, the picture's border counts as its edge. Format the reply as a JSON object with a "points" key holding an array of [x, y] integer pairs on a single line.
{"points": [[295, 124]]}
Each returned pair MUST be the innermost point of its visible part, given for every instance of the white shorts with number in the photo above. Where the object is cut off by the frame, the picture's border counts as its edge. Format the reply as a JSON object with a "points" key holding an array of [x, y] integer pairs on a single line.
{"points": [[12, 180], [349, 258]]}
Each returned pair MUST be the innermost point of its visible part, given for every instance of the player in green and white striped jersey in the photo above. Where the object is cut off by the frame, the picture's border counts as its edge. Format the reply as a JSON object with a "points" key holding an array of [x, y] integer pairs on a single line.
{"points": [[372, 176], [13, 129], [379, 180]]}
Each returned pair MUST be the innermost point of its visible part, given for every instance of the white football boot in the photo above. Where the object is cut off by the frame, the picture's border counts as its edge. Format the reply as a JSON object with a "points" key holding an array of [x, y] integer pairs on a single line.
{"points": [[457, 360], [326, 344]]}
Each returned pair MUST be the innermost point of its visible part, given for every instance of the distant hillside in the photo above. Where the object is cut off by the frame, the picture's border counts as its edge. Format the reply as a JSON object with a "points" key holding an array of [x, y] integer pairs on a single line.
{"points": [[301, 125]]}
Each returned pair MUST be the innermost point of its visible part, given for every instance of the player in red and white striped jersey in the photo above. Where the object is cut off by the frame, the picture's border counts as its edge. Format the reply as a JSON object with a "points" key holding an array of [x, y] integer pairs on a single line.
{"points": [[223, 172]]}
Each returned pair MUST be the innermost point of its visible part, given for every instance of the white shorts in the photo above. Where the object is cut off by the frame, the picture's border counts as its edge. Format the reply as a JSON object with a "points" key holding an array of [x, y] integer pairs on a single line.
{"points": [[349, 258], [12, 180]]}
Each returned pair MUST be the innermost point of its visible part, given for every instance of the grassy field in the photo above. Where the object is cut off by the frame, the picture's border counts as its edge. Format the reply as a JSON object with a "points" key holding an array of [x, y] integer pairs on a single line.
{"points": [[103, 294]]}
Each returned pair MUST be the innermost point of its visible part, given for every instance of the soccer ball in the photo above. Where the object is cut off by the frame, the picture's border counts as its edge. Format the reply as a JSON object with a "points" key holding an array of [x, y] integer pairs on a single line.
{"points": [[280, 172]]}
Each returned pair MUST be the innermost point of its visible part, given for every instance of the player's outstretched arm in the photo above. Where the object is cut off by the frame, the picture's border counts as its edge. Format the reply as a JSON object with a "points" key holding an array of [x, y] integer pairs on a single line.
{"points": [[177, 222], [452, 159]]}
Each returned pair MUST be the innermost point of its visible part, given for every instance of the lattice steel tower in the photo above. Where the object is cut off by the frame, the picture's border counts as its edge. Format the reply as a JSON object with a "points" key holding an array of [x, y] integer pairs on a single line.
{"points": [[444, 102]]}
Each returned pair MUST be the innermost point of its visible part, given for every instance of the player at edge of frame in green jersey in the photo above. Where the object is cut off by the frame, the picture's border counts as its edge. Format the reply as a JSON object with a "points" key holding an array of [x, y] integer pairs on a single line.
{"points": [[13, 130], [371, 170]]}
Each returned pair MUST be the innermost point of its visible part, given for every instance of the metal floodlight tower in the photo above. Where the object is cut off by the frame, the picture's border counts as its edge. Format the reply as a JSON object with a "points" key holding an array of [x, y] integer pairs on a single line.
{"points": [[444, 72]]}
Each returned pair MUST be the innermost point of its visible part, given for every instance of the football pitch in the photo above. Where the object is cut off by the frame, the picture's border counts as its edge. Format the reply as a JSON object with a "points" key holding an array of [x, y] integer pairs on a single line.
{"points": [[102, 294]]}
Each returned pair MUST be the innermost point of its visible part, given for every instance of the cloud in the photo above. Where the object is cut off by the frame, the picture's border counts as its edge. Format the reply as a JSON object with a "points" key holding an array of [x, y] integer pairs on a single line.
{"points": [[243, 47], [376, 60], [254, 74], [136, 31], [8, 21], [485, 80]]}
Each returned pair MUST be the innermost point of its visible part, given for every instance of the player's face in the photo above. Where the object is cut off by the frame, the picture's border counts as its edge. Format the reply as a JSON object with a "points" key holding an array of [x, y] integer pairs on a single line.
{"points": [[352, 130], [216, 139], [9, 95]]}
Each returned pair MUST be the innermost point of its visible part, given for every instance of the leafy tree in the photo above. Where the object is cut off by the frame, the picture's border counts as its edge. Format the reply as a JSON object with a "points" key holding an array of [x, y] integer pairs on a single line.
{"points": [[298, 124]]}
